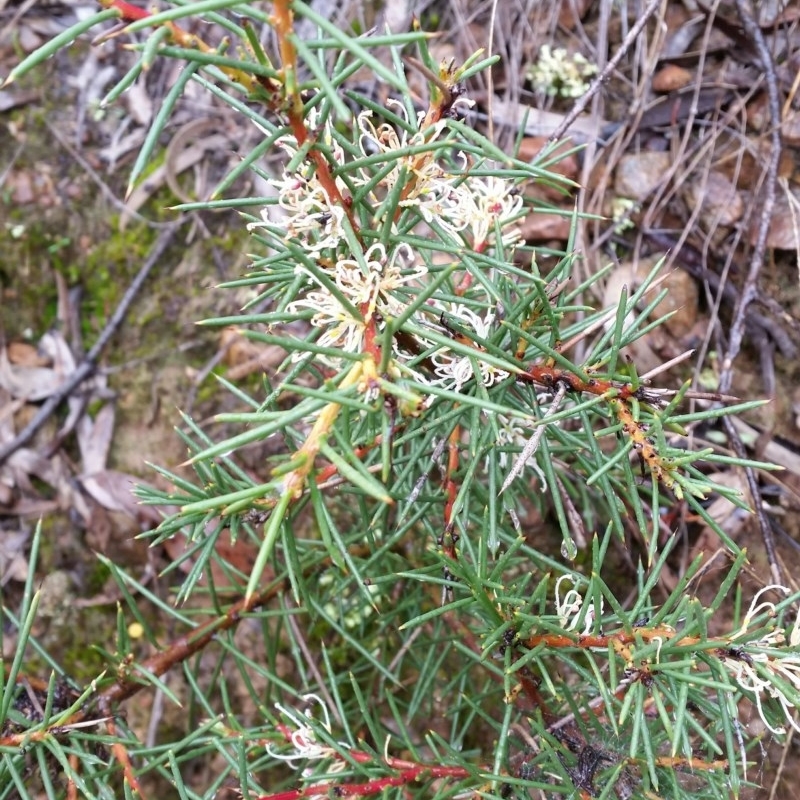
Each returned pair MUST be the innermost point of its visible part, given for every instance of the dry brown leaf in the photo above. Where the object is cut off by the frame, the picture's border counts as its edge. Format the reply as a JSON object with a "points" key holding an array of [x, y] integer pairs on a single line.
{"points": [[241, 554], [114, 491], [34, 383], [94, 439], [731, 518], [114, 534], [543, 123], [178, 159], [22, 354], [13, 99], [13, 563]]}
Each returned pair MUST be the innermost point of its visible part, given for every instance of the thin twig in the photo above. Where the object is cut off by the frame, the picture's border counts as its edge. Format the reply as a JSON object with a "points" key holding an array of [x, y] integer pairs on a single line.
{"points": [[89, 363], [767, 533], [121, 206], [605, 73], [749, 291], [532, 445]]}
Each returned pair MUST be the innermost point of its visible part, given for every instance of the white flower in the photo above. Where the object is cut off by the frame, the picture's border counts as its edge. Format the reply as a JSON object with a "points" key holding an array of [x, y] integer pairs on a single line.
{"points": [[568, 609], [311, 216], [385, 139], [755, 670], [427, 186], [304, 740], [453, 370], [342, 329], [556, 73], [369, 289], [484, 202]]}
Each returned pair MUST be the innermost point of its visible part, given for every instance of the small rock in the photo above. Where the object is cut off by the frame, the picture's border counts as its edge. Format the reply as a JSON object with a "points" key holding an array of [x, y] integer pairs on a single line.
{"points": [[671, 78], [720, 203], [681, 300], [638, 174], [784, 228], [790, 128]]}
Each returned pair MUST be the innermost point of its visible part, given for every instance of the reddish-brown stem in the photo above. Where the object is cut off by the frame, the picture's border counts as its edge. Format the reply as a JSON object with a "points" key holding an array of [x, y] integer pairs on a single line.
{"points": [[371, 343], [72, 787], [556, 640], [178, 651], [131, 13], [127, 11], [121, 754], [409, 772], [450, 485], [283, 21]]}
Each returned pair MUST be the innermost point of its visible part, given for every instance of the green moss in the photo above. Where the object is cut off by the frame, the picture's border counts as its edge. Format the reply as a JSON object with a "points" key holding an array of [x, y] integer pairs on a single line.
{"points": [[81, 659], [96, 579]]}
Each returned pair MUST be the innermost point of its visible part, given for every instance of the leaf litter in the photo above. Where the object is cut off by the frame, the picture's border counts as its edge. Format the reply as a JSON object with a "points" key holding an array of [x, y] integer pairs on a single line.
{"points": [[675, 154]]}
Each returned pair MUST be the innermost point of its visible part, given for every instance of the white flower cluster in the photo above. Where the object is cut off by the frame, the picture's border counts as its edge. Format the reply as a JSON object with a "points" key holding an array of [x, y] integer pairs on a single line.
{"points": [[765, 674], [368, 290], [454, 369], [346, 295], [556, 73], [569, 607]]}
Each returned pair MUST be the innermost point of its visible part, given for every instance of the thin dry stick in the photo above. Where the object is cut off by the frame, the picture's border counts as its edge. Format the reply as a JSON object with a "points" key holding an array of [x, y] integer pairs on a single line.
{"points": [[749, 291], [89, 363], [532, 445], [101, 184], [594, 88]]}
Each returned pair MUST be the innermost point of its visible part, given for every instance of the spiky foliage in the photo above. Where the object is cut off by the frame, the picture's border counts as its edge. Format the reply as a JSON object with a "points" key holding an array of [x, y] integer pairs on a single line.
{"points": [[461, 447]]}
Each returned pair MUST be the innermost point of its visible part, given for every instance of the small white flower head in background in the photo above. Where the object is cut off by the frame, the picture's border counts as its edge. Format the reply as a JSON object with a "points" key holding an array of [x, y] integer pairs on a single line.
{"points": [[556, 73], [303, 739]]}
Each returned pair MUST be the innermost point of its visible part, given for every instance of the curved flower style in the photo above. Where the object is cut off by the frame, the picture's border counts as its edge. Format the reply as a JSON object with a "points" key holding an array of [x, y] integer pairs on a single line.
{"points": [[368, 290], [762, 673], [453, 370], [568, 609], [304, 740]]}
